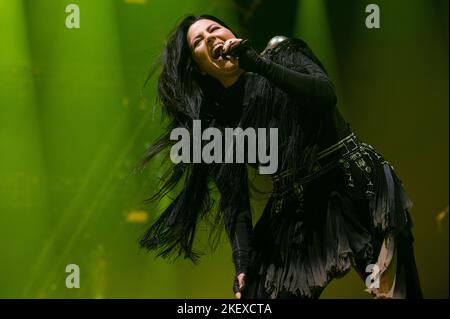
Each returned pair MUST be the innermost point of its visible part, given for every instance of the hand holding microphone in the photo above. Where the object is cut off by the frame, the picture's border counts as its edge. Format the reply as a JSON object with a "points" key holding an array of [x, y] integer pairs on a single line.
{"points": [[229, 48], [248, 58]]}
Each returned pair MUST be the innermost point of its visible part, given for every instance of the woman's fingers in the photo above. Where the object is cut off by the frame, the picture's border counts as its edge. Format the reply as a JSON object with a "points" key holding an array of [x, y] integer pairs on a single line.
{"points": [[241, 281], [241, 284], [229, 44]]}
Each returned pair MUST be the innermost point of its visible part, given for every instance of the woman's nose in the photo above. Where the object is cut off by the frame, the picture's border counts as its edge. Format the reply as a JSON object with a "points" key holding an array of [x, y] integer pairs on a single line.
{"points": [[210, 40]]}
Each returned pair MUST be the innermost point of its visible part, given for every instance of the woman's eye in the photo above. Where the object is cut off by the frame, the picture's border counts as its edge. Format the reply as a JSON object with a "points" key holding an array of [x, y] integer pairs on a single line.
{"points": [[196, 43], [215, 28]]}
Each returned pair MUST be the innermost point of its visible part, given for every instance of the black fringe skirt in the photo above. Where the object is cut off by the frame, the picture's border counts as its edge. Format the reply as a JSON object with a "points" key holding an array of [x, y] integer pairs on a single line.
{"points": [[338, 221]]}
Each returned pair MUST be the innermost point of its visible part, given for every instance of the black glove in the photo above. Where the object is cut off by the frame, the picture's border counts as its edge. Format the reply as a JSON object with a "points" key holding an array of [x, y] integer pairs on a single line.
{"points": [[236, 287], [236, 284], [248, 58]]}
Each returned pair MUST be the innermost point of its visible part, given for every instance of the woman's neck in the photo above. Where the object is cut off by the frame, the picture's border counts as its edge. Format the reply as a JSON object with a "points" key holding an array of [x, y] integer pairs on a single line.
{"points": [[230, 80]]}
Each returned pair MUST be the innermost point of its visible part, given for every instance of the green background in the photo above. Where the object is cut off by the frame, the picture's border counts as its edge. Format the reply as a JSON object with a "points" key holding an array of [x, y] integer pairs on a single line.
{"points": [[73, 122]]}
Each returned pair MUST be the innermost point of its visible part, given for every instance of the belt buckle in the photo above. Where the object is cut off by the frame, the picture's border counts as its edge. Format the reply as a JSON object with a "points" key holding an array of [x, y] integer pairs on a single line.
{"points": [[350, 146]]}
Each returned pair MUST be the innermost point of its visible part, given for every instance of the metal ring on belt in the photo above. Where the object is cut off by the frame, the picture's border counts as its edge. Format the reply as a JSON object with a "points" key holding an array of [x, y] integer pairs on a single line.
{"points": [[326, 159]]}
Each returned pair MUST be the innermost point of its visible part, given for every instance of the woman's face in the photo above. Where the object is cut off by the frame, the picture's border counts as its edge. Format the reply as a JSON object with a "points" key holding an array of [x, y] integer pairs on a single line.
{"points": [[206, 39]]}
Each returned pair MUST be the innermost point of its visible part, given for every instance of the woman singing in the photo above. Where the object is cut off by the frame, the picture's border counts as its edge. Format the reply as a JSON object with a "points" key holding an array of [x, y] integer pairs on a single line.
{"points": [[336, 202]]}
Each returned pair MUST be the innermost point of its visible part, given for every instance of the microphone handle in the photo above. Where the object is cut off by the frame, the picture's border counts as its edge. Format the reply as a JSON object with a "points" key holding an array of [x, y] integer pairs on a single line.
{"points": [[230, 52]]}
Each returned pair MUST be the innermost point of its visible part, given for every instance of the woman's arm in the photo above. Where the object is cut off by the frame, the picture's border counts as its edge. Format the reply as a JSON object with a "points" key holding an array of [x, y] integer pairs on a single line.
{"points": [[231, 181], [239, 229], [315, 85]]}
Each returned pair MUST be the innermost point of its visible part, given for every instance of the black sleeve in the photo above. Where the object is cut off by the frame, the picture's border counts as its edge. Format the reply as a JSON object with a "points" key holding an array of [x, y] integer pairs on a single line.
{"points": [[314, 85], [239, 229], [232, 183]]}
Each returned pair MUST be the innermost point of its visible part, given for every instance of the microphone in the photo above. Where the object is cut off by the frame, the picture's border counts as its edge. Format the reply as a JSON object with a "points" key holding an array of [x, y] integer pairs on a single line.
{"points": [[232, 51], [224, 55]]}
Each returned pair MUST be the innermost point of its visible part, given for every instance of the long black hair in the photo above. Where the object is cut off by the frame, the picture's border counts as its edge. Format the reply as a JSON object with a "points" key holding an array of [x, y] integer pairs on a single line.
{"points": [[181, 87], [182, 93]]}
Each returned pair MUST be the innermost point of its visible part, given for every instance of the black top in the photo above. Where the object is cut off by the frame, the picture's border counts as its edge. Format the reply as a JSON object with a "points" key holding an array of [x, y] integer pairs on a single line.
{"points": [[228, 107]]}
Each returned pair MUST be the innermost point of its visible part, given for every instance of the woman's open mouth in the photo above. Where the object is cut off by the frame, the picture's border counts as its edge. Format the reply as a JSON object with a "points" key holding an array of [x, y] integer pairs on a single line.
{"points": [[216, 52]]}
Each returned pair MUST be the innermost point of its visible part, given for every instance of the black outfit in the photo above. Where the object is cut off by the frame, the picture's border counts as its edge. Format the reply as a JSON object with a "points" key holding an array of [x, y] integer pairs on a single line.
{"points": [[330, 210]]}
